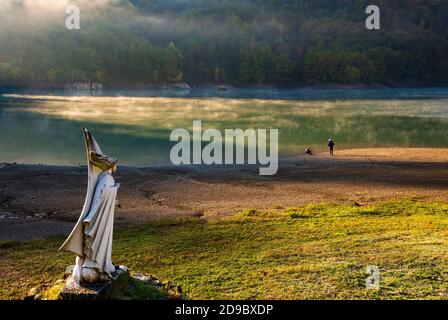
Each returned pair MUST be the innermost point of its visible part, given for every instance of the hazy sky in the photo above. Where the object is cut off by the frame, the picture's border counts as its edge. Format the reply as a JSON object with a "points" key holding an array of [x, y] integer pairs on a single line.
{"points": [[49, 5], [34, 15]]}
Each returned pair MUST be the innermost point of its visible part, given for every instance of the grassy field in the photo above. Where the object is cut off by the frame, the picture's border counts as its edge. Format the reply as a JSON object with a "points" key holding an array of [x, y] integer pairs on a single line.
{"points": [[312, 252]]}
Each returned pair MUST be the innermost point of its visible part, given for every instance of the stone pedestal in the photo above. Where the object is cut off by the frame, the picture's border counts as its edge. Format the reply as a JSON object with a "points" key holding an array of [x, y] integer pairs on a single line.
{"points": [[97, 290], [123, 286]]}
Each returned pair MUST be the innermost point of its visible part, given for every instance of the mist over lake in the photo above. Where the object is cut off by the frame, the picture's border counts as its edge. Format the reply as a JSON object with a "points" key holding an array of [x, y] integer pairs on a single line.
{"points": [[44, 126]]}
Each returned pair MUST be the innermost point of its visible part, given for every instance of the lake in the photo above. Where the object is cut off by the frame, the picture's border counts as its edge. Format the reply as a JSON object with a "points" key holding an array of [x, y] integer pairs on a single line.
{"points": [[44, 126]]}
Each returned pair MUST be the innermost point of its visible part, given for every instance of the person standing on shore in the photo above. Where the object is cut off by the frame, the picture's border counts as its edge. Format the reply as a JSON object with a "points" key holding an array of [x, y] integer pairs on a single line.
{"points": [[331, 146]]}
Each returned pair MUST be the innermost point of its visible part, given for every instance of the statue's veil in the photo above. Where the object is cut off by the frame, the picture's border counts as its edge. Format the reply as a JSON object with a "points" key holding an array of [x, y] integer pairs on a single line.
{"points": [[74, 242]]}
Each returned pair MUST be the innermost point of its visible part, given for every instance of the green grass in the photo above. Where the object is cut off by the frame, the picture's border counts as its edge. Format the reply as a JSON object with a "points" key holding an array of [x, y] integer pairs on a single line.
{"points": [[313, 252]]}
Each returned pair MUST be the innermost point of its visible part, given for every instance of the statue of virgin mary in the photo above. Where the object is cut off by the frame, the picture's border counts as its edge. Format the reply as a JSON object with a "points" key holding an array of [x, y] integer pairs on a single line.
{"points": [[91, 238]]}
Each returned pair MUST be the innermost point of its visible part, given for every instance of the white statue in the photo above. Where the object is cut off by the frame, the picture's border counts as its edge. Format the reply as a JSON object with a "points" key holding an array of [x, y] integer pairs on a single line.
{"points": [[91, 238]]}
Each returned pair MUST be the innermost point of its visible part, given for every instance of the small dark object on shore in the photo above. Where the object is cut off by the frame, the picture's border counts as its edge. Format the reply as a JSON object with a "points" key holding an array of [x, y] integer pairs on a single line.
{"points": [[308, 152]]}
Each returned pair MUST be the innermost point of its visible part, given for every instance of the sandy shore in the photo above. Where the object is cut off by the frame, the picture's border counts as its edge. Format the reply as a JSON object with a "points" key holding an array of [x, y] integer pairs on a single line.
{"points": [[37, 201]]}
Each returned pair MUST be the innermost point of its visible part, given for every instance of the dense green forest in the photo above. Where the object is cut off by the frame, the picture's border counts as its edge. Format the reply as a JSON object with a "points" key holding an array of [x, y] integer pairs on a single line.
{"points": [[242, 42]]}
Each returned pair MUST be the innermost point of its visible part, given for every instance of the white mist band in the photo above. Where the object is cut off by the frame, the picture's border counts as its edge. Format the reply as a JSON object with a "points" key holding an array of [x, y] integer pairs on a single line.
{"points": [[234, 140]]}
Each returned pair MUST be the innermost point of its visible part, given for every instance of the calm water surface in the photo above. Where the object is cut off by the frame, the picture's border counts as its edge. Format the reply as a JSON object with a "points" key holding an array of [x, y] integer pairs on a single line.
{"points": [[44, 126]]}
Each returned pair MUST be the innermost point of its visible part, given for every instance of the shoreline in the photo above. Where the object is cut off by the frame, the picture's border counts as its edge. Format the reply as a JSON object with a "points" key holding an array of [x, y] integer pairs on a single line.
{"points": [[214, 86], [353, 176], [438, 154]]}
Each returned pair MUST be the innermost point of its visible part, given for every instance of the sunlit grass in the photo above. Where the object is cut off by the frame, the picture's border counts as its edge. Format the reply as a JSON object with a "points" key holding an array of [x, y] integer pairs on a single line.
{"points": [[312, 252]]}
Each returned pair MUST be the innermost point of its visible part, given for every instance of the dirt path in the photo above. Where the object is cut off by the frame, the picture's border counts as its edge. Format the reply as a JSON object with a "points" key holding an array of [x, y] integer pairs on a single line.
{"points": [[14, 227], [46, 193]]}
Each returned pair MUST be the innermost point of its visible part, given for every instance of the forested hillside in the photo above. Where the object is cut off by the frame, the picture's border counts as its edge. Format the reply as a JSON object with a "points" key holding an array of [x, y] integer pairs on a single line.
{"points": [[282, 42]]}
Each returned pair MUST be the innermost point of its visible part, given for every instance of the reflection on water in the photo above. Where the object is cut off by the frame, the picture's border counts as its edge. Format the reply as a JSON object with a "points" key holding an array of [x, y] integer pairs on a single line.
{"points": [[303, 93], [39, 127]]}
